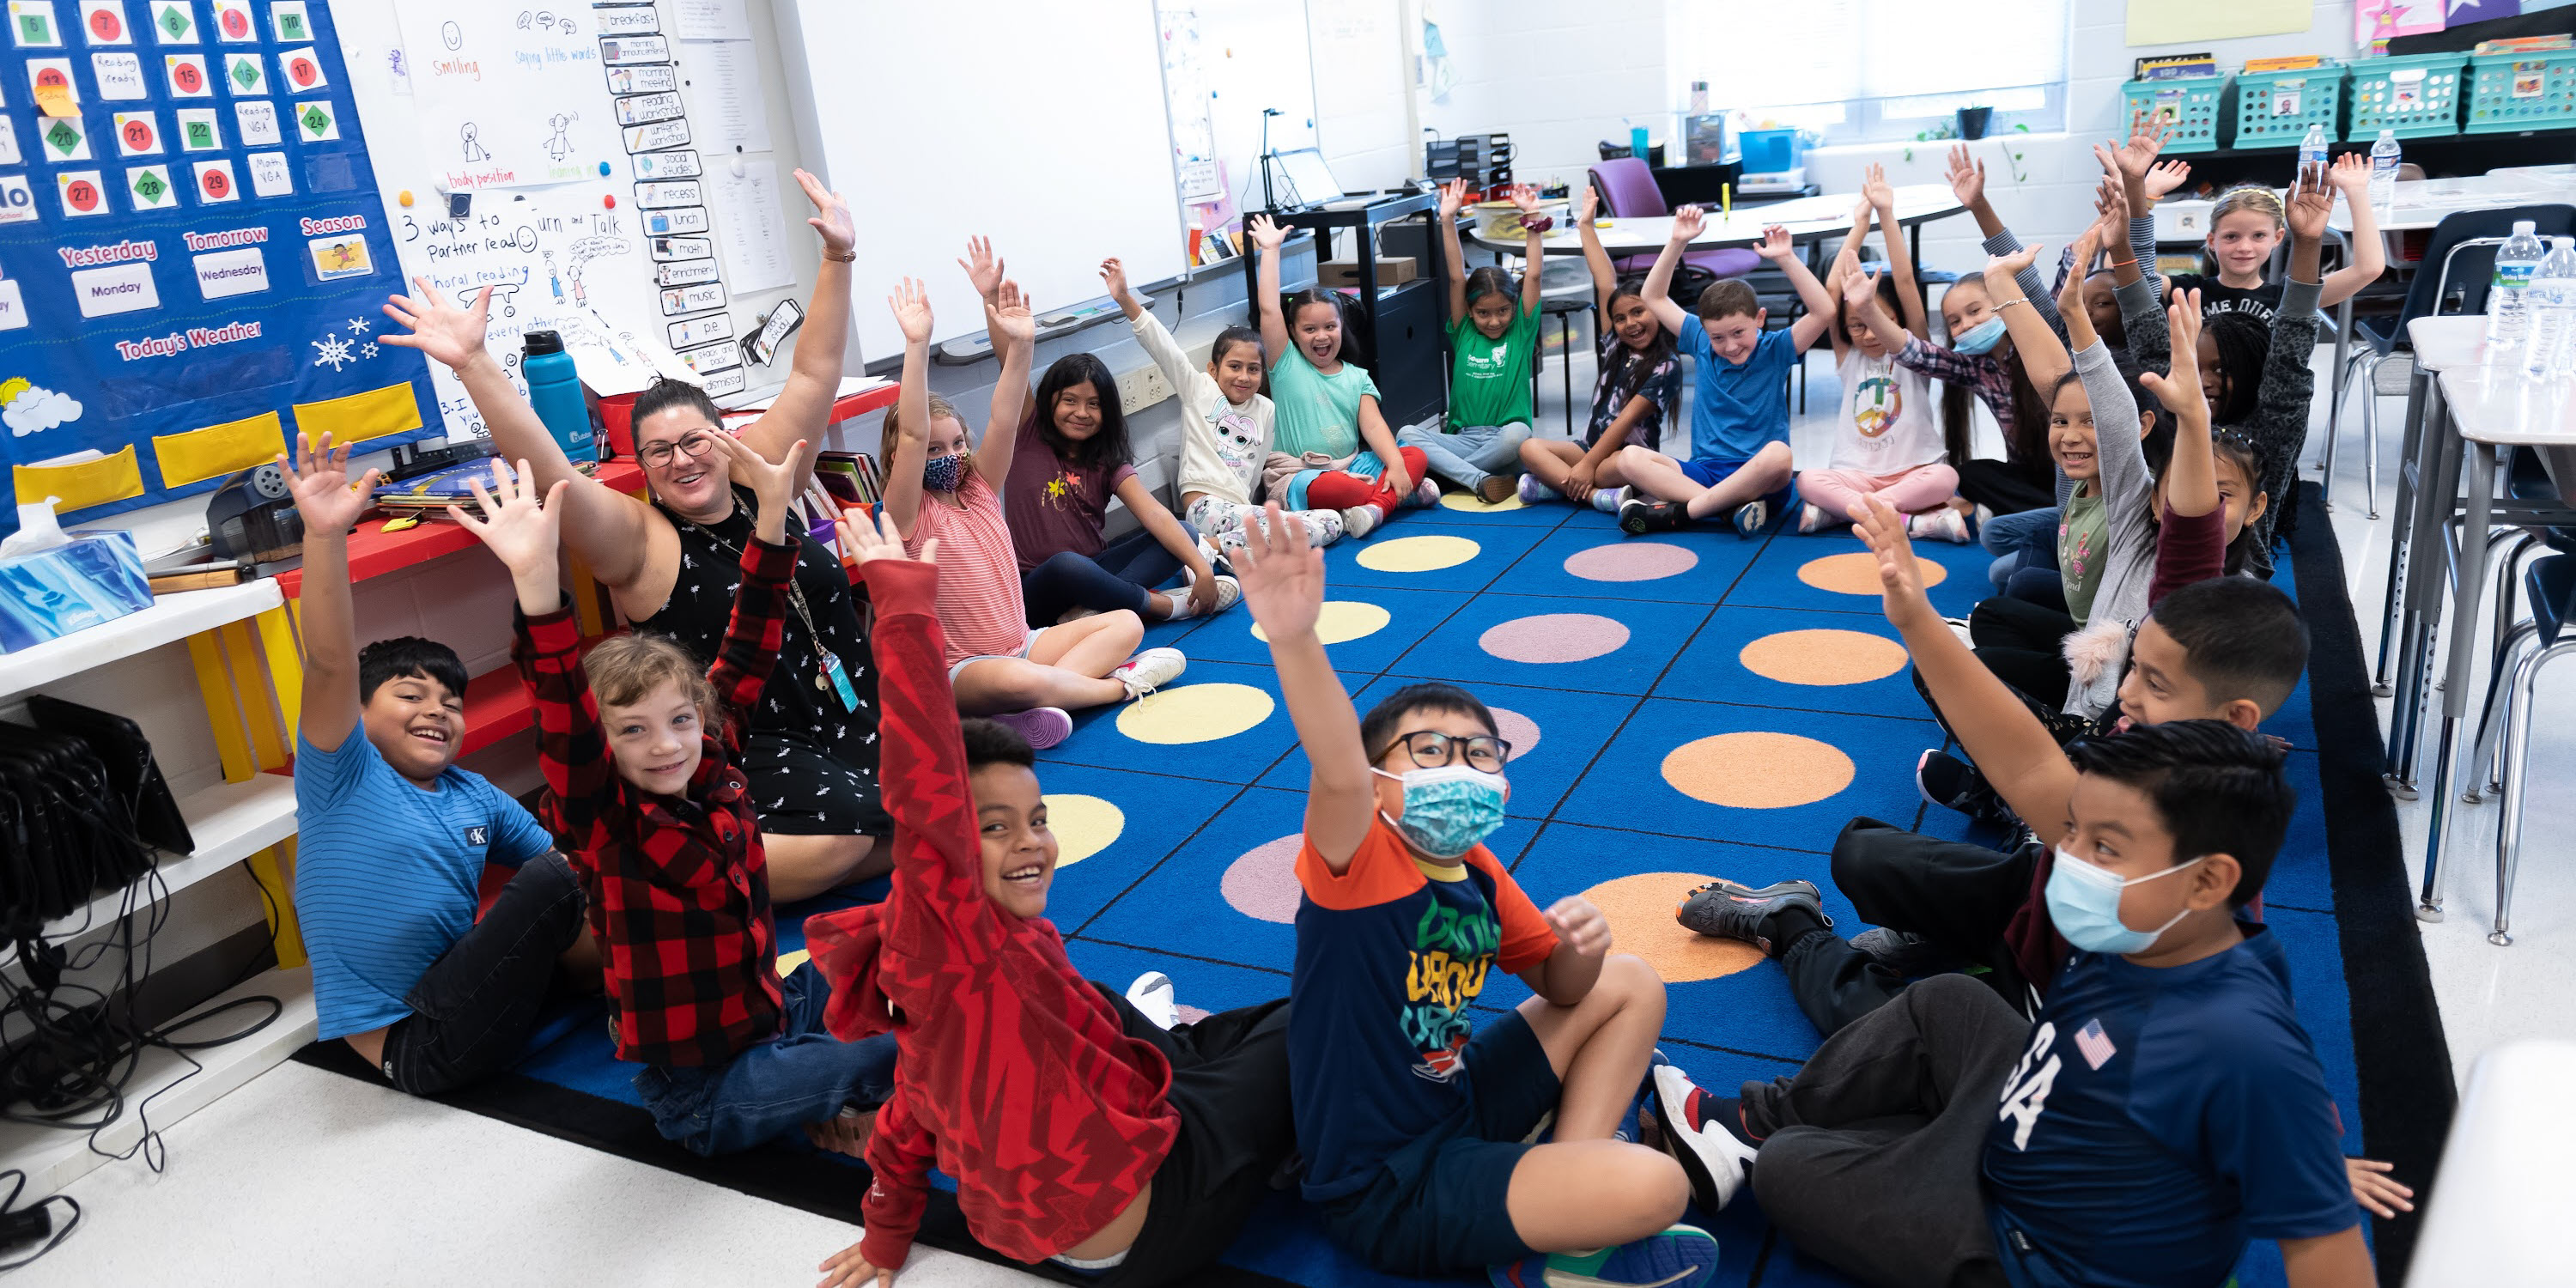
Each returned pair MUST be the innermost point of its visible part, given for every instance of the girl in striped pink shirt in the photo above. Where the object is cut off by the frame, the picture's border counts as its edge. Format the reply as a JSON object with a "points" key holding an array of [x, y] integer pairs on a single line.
{"points": [[945, 494]]}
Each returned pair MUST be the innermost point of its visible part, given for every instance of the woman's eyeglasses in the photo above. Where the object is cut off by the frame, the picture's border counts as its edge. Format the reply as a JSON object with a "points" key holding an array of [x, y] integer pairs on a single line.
{"points": [[1432, 750], [694, 444]]}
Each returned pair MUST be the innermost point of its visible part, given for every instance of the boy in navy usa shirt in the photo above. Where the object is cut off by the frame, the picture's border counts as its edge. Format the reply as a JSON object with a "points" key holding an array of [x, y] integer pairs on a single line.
{"points": [[2164, 1109]]}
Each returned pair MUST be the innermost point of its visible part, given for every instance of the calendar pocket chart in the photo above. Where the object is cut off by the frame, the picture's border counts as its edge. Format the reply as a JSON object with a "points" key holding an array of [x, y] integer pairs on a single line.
{"points": [[190, 280]]}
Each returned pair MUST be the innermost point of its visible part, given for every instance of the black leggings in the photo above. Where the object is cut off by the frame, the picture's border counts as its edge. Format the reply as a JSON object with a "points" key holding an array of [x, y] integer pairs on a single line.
{"points": [[2005, 487], [2022, 643], [1120, 576]]}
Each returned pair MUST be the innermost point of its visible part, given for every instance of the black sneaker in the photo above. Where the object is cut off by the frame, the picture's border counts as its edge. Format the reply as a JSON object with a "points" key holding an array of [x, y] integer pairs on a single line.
{"points": [[1952, 783], [1733, 910], [1638, 516], [1906, 953]]}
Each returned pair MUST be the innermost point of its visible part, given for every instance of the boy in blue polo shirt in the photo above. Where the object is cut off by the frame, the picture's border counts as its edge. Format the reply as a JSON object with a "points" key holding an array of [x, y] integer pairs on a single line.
{"points": [[392, 837], [1739, 450], [2164, 1109]]}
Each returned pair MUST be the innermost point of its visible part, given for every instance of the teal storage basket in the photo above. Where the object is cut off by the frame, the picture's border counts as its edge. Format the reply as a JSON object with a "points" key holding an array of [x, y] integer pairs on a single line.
{"points": [[2525, 91], [2417, 95], [2275, 109], [2189, 106]]}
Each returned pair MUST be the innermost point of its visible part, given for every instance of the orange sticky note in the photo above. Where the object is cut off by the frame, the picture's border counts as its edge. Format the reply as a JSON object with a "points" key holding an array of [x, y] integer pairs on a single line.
{"points": [[53, 100]]}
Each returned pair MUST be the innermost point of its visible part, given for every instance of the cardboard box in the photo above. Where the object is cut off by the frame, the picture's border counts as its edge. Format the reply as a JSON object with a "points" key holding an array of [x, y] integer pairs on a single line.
{"points": [[1391, 271]]}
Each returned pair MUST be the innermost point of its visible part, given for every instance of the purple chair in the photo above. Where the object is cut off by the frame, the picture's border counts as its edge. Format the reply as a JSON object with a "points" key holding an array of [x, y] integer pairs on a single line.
{"points": [[1628, 189]]}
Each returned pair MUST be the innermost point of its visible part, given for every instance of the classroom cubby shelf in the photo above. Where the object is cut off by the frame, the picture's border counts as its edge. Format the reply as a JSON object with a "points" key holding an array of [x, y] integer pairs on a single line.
{"points": [[171, 618]]}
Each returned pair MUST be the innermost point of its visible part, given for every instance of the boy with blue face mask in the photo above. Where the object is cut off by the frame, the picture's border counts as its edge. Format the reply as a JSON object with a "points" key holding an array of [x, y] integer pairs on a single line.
{"points": [[1413, 1124], [2164, 1108]]}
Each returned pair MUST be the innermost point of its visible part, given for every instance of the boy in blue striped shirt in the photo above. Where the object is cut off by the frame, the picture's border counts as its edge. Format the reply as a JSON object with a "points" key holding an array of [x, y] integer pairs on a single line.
{"points": [[393, 837]]}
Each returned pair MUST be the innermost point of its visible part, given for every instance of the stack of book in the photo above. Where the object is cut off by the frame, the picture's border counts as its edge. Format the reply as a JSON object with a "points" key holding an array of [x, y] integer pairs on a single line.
{"points": [[429, 495]]}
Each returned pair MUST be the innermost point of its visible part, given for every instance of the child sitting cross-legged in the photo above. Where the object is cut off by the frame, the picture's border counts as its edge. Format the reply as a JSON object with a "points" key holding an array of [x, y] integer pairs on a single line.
{"points": [[1414, 1125], [1739, 448], [395, 837], [1080, 1130], [939, 489], [1634, 394], [2164, 1108], [1333, 450], [641, 749], [1493, 336]]}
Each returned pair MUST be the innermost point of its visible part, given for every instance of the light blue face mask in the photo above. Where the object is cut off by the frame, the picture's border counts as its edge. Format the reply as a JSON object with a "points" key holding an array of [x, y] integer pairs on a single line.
{"points": [[2084, 902], [1979, 339], [941, 475], [1448, 810]]}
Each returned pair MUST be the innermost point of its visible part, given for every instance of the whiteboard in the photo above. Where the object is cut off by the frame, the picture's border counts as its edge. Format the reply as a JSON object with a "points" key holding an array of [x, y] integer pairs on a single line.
{"points": [[1247, 56], [1040, 123]]}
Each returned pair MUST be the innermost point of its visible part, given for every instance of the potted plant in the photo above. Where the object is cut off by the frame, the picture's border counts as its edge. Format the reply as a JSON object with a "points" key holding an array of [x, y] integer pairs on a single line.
{"points": [[1973, 121]]}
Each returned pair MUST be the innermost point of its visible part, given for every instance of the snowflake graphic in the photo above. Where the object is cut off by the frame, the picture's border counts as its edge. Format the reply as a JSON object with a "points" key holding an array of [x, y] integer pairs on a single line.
{"points": [[358, 326], [368, 350], [332, 351]]}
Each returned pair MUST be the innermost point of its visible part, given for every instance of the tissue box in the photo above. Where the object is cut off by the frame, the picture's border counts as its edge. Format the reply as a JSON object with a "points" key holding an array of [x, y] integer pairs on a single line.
{"points": [[96, 577]]}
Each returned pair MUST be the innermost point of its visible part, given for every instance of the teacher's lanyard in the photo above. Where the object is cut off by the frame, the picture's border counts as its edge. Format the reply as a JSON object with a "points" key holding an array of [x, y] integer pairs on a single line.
{"points": [[829, 674]]}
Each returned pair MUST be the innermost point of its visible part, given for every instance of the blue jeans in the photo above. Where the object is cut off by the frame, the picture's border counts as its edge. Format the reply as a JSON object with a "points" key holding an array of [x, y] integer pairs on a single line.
{"points": [[1118, 577], [2018, 541], [804, 1075], [1469, 455]]}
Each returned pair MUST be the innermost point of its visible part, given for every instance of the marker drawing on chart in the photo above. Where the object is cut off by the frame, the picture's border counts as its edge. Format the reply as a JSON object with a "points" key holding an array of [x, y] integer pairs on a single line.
{"points": [[474, 150], [452, 35], [584, 251], [559, 144], [553, 278]]}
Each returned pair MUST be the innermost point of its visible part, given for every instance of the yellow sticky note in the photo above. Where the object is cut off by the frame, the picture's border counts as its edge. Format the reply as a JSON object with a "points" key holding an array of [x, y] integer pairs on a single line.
{"points": [[54, 100]]}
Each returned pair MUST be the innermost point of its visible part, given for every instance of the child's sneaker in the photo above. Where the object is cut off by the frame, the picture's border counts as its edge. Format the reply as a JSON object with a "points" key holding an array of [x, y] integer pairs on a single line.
{"points": [[1360, 520], [1734, 910], [1044, 727], [1908, 954], [1944, 524], [1705, 1134], [1229, 592], [1426, 495], [1150, 670], [1153, 997], [1952, 783], [1608, 499], [1959, 627], [1638, 516], [1751, 517], [1683, 1256], [1531, 491], [1812, 519]]}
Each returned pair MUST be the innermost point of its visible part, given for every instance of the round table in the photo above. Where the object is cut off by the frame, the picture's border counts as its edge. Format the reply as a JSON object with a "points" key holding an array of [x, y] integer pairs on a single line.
{"points": [[1808, 219]]}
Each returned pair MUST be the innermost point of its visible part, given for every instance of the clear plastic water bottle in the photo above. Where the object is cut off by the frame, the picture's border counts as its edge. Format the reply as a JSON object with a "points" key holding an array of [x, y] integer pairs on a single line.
{"points": [[2551, 350], [2508, 309], [2383, 173], [2312, 158]]}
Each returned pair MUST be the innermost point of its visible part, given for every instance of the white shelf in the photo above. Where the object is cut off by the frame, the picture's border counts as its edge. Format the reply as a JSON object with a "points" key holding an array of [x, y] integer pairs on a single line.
{"points": [[229, 822], [170, 618], [54, 1157]]}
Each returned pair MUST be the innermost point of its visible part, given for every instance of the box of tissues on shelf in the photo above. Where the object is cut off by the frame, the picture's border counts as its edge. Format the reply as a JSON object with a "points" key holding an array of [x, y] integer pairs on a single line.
{"points": [[58, 589]]}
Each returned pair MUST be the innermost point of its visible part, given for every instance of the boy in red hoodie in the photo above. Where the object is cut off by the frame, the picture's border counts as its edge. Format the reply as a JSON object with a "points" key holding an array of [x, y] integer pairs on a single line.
{"points": [[1079, 1130]]}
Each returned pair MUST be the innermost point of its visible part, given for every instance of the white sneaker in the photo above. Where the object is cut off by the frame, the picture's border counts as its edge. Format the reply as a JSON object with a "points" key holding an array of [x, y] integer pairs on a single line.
{"points": [[1811, 519], [1427, 495], [1959, 627], [1532, 491], [1608, 499], [1152, 995], [1229, 592], [1150, 670], [1360, 520], [1718, 1164], [1944, 524]]}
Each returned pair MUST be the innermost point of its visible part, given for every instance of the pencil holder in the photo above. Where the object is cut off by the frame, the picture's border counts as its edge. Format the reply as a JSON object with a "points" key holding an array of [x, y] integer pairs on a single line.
{"points": [[2189, 106]]}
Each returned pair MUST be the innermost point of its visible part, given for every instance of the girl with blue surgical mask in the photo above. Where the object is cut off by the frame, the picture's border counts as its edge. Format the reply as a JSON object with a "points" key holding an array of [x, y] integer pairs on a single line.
{"points": [[1981, 364]]}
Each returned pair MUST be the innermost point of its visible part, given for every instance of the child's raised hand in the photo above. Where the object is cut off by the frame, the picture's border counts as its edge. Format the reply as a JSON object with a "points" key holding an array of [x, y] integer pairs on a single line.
{"points": [[911, 305], [772, 485], [2011, 265], [831, 216], [1266, 232], [983, 267], [2179, 387], [1860, 286], [318, 478], [1579, 925], [2375, 1189], [1282, 575], [1012, 321], [2351, 173], [1524, 198], [1588, 206], [1114, 276], [1775, 245], [438, 328], [1875, 189], [1967, 175], [2307, 210], [1687, 223], [2164, 177], [866, 540], [1900, 583], [1453, 198], [2146, 138], [520, 529]]}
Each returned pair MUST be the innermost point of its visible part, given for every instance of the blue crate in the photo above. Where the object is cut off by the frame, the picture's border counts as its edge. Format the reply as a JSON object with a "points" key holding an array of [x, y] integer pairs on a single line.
{"points": [[2417, 95], [2275, 109], [2534, 90], [2189, 106]]}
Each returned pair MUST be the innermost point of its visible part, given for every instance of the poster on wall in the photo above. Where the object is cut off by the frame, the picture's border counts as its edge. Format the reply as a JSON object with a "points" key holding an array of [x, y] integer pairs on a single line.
{"points": [[192, 252], [508, 95], [2174, 22], [2375, 21]]}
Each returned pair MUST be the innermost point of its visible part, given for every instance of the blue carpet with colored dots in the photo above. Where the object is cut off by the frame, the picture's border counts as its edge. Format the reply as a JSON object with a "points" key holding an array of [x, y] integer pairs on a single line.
{"points": [[1682, 706]]}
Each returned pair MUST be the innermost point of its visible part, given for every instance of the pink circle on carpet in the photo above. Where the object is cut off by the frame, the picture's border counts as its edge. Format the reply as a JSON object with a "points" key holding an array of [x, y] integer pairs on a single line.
{"points": [[1631, 561], [1517, 729], [1263, 883], [1554, 637]]}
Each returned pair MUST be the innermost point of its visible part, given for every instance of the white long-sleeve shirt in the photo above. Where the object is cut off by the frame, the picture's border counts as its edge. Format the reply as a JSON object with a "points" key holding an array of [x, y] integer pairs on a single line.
{"points": [[1223, 443]]}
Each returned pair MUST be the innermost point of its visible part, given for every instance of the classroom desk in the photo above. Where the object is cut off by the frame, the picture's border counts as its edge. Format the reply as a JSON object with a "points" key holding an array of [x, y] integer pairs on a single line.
{"points": [[1808, 219], [2440, 344], [2484, 413], [2499, 1217]]}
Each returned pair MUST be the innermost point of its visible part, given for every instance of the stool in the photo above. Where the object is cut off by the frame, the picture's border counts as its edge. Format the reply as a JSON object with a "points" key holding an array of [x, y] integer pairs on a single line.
{"points": [[1563, 310]]}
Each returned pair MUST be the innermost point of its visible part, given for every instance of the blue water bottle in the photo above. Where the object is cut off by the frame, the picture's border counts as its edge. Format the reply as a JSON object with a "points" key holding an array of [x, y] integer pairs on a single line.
{"points": [[1638, 146], [555, 391]]}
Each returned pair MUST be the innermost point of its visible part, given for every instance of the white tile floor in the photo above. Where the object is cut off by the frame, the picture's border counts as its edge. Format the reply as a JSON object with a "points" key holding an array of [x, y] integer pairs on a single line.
{"points": [[304, 1177]]}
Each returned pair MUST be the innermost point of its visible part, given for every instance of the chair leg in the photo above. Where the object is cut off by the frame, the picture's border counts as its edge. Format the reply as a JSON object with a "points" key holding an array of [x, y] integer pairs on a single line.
{"points": [[2326, 467], [2370, 442], [2517, 745], [2486, 767]]}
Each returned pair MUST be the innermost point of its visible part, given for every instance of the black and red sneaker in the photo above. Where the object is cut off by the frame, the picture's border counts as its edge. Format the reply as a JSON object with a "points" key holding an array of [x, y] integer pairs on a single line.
{"points": [[1733, 910], [1706, 1134]]}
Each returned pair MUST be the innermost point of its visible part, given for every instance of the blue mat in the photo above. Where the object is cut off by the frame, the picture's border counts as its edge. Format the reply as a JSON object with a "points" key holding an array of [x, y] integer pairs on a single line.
{"points": [[1778, 744]]}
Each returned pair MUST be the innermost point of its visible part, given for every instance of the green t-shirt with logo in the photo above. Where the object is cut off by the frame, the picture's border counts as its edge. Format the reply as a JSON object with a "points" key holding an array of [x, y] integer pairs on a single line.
{"points": [[1489, 380]]}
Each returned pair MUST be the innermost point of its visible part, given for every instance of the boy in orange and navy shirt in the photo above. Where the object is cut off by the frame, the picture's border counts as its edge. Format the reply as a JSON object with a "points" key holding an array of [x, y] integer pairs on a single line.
{"points": [[1414, 1125]]}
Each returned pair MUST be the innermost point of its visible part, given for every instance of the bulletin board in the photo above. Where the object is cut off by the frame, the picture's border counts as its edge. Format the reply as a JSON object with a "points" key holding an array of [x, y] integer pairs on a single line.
{"points": [[192, 250]]}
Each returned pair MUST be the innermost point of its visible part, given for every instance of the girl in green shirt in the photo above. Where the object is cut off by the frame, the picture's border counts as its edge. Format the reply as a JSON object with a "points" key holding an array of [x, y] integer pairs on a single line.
{"points": [[1493, 340], [1327, 409]]}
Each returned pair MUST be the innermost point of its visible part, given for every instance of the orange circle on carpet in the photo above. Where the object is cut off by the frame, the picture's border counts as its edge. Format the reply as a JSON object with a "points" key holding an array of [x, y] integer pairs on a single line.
{"points": [[1640, 909], [1757, 770], [1857, 573], [1823, 657]]}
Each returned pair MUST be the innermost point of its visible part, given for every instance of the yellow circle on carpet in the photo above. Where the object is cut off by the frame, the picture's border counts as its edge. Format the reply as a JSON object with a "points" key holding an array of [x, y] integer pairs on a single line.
{"points": [[1341, 620], [1823, 657], [1418, 554], [1194, 713], [1757, 770], [1474, 504], [1084, 825], [1640, 909], [1857, 573], [788, 962]]}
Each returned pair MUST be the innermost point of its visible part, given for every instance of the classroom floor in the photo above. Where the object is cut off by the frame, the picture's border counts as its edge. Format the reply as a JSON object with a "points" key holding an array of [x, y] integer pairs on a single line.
{"points": [[306, 1176]]}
